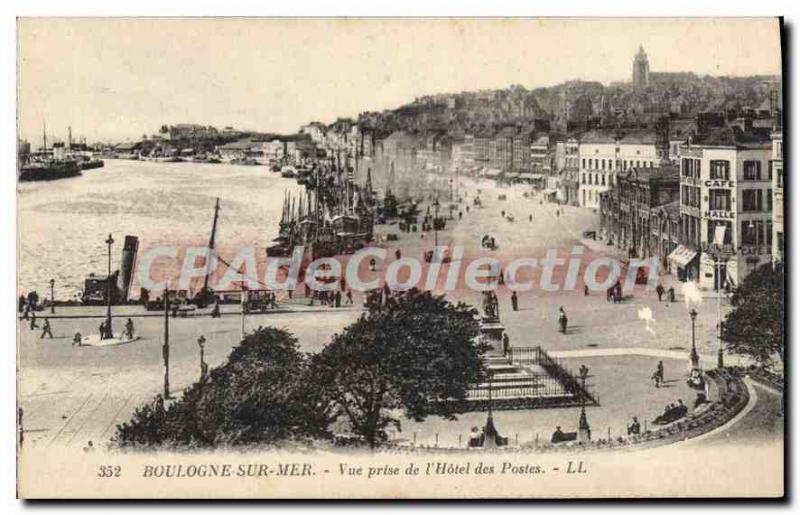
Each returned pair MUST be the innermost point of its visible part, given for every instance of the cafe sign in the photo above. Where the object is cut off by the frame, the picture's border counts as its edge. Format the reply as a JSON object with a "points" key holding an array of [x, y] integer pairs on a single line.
{"points": [[718, 183]]}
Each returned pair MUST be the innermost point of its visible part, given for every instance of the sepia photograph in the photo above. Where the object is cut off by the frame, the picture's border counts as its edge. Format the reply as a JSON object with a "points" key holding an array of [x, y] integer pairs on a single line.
{"points": [[400, 258]]}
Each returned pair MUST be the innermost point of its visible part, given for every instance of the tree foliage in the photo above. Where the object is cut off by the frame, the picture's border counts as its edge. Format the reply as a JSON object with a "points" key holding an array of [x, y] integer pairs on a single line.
{"points": [[257, 396], [413, 353], [755, 326]]}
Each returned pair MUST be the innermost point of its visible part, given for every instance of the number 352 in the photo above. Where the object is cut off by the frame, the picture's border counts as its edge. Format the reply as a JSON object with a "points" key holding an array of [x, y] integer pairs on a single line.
{"points": [[109, 471]]}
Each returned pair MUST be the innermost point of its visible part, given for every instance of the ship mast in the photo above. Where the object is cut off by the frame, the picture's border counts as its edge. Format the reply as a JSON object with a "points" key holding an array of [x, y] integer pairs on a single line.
{"points": [[211, 244]]}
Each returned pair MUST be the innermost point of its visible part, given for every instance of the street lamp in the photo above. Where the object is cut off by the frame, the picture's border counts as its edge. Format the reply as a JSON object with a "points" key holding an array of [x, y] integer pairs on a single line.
{"points": [[693, 356], [201, 342], [109, 331], [52, 296]]}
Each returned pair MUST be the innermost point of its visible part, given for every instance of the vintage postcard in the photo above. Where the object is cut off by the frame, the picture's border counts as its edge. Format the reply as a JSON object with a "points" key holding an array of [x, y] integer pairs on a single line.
{"points": [[400, 258]]}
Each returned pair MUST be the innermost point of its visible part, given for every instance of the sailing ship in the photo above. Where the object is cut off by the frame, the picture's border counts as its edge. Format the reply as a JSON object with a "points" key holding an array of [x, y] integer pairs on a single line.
{"points": [[334, 215]]}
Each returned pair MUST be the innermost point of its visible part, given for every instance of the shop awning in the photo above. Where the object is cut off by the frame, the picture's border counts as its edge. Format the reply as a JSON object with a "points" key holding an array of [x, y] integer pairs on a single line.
{"points": [[682, 256]]}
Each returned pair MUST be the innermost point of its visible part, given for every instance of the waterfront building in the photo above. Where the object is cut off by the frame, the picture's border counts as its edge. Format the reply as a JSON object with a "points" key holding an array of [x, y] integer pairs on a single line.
{"points": [[627, 210], [503, 155], [725, 183], [776, 171], [521, 149], [603, 154]]}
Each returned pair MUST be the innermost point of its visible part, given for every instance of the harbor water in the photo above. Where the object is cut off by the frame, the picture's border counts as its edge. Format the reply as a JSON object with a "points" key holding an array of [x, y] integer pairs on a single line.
{"points": [[63, 224]]}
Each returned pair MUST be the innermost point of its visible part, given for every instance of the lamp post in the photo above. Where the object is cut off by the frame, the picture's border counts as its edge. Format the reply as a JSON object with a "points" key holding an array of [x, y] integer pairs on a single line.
{"points": [[109, 331], [201, 342], [584, 430], [693, 356], [52, 296], [721, 254]]}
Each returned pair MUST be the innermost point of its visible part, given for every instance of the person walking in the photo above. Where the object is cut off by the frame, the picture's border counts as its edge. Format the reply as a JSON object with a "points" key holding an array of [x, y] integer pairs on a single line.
{"points": [[337, 298], [659, 291], [77, 339], [514, 301], [349, 296], [46, 329], [102, 329], [33, 321], [660, 372], [506, 344], [129, 329], [562, 320]]}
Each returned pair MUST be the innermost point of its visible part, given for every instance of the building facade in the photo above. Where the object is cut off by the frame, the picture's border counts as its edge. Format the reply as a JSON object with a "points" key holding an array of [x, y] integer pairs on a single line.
{"points": [[603, 154], [776, 167], [633, 211], [726, 199]]}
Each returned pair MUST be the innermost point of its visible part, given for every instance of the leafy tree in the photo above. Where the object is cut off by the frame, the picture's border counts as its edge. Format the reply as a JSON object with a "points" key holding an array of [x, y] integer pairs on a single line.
{"points": [[257, 396], [755, 326], [415, 353]]}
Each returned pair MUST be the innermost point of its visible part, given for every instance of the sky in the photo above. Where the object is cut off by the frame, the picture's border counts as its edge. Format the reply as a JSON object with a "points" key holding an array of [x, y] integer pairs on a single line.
{"points": [[114, 79]]}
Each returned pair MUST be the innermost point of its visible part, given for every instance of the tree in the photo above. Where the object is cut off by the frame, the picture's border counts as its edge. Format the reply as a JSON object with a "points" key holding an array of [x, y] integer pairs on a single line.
{"points": [[256, 397], [755, 326], [417, 353]]}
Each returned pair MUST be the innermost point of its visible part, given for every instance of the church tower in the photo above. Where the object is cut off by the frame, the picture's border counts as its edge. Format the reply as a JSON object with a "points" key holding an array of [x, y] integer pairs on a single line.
{"points": [[641, 69]]}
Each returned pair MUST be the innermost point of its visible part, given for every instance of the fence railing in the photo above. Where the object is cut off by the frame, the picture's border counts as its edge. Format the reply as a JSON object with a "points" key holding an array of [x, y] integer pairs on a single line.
{"points": [[566, 379]]}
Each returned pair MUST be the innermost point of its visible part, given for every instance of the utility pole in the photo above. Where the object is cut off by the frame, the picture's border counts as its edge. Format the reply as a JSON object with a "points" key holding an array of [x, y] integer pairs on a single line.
{"points": [[165, 348]]}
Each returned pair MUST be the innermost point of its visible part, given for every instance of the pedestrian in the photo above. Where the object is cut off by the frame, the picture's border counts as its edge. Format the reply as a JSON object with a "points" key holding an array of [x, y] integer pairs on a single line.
{"points": [[129, 329], [77, 339], [460, 214], [342, 284], [659, 291], [585, 290], [660, 371], [506, 344], [562, 320], [33, 321], [337, 298], [22, 304], [530, 218], [635, 428], [349, 296], [102, 329], [397, 254], [26, 312], [46, 329], [372, 264], [671, 295], [514, 301]]}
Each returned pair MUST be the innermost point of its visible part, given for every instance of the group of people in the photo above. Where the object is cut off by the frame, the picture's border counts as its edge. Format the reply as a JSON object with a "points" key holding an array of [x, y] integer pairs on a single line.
{"points": [[670, 293], [672, 412]]}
